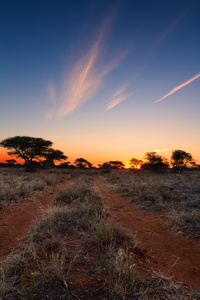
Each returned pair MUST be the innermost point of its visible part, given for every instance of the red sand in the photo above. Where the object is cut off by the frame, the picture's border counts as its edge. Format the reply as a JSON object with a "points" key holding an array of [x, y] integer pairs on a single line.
{"points": [[18, 219], [174, 256], [159, 249]]}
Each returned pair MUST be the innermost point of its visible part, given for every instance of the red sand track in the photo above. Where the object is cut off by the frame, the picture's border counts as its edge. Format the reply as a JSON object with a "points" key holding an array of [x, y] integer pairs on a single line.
{"points": [[174, 256], [17, 221], [161, 249]]}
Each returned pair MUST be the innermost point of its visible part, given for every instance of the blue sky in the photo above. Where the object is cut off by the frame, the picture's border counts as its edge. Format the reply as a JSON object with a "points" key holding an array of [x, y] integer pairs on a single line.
{"points": [[87, 75]]}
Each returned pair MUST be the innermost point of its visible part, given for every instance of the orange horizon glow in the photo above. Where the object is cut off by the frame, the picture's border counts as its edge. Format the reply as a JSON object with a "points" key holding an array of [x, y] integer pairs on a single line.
{"points": [[4, 156], [128, 166], [103, 87], [93, 160]]}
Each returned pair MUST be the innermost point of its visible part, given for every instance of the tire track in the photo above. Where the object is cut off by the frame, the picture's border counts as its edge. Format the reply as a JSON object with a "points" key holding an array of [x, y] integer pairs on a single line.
{"points": [[16, 222], [174, 256]]}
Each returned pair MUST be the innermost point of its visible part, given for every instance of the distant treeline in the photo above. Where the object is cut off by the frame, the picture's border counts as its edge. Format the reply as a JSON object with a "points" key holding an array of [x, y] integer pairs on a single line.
{"points": [[38, 153]]}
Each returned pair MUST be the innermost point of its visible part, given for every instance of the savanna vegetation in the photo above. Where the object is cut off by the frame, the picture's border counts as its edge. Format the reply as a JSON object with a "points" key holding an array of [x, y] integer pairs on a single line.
{"points": [[176, 195], [75, 250], [32, 150], [38, 152], [16, 185]]}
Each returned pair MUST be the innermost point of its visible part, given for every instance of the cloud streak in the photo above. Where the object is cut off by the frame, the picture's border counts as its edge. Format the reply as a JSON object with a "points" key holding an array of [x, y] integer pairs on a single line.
{"points": [[116, 101], [179, 87], [161, 150], [86, 77], [51, 92], [82, 83], [119, 91], [118, 97]]}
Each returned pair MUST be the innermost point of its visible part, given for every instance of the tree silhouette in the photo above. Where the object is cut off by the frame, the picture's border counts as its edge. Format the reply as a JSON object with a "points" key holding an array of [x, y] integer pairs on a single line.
{"points": [[11, 162], [64, 165], [29, 149], [180, 159], [155, 162], [116, 164], [52, 156], [153, 158], [82, 163], [106, 167], [134, 163]]}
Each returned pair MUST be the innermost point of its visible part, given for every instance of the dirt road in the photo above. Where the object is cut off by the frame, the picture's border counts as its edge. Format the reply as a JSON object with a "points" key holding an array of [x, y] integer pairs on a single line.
{"points": [[160, 249], [174, 256], [17, 221]]}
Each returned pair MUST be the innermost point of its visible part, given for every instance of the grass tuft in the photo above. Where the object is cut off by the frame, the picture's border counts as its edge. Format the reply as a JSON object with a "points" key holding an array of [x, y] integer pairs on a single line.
{"points": [[75, 252], [176, 195]]}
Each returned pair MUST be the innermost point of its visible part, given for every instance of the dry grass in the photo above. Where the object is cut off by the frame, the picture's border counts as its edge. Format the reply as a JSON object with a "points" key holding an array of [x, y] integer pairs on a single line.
{"points": [[15, 184], [82, 190], [74, 251], [176, 195], [57, 244]]}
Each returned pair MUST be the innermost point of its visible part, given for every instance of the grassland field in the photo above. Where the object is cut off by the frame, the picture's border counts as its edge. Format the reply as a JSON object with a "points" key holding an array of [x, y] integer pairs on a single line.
{"points": [[75, 250]]}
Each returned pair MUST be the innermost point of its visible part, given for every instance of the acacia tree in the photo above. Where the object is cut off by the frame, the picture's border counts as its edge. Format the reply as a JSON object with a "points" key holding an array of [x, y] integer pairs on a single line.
{"points": [[54, 155], [153, 158], [180, 159], [135, 163], [82, 163], [116, 164], [105, 165], [11, 162], [155, 162], [27, 148]]}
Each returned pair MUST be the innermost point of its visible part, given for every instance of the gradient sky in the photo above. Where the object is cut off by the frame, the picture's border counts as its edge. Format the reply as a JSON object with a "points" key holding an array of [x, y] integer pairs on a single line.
{"points": [[103, 80]]}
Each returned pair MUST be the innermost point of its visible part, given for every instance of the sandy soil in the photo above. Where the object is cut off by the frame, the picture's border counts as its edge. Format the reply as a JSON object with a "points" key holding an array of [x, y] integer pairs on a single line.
{"points": [[17, 220], [159, 249], [174, 256]]}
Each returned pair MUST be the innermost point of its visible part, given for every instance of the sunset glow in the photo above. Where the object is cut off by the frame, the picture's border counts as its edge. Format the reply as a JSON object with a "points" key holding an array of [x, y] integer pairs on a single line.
{"points": [[102, 80], [4, 156]]}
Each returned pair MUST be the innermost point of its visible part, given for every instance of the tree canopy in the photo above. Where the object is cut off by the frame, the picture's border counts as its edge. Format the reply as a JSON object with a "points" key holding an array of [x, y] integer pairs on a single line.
{"points": [[116, 164], [11, 161], [153, 158], [180, 159], [35, 151], [135, 163], [55, 155], [31, 148], [155, 162], [82, 163]]}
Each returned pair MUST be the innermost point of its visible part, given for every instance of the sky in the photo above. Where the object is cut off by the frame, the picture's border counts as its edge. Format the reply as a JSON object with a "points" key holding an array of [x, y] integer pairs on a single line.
{"points": [[102, 79]]}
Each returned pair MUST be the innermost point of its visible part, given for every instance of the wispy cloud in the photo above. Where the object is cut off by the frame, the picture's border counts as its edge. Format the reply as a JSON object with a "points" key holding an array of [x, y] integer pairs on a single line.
{"points": [[86, 76], [84, 82], [51, 92], [179, 87], [118, 97], [119, 91], [161, 150], [81, 85]]}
